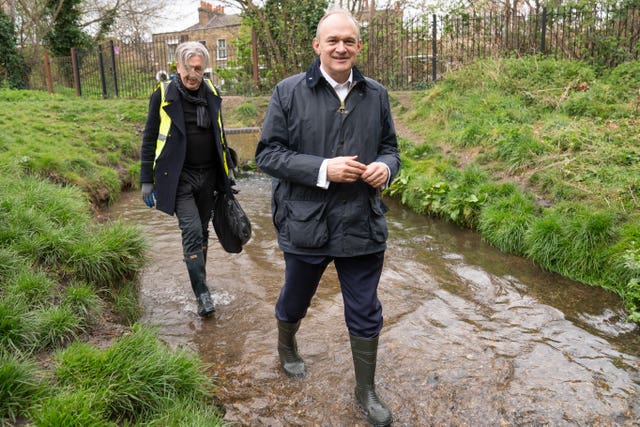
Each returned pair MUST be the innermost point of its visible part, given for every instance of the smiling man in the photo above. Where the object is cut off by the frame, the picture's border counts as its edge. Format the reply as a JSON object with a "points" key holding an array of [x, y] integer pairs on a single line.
{"points": [[185, 159], [329, 142]]}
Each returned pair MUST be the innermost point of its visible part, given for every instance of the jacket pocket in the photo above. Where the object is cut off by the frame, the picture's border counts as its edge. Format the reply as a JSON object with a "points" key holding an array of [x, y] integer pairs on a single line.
{"points": [[306, 225], [378, 223]]}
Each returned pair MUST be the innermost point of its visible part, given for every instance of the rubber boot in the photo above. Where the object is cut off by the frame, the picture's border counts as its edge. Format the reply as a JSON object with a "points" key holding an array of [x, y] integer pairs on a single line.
{"points": [[198, 277], [290, 359], [364, 352]]}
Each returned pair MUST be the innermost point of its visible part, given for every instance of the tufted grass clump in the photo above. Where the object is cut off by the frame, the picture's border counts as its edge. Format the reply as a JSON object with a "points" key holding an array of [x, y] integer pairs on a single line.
{"points": [[138, 379], [505, 221], [20, 385], [71, 407]]}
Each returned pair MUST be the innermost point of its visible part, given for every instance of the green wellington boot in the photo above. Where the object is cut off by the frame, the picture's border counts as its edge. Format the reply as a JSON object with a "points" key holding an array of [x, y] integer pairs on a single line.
{"points": [[290, 359], [365, 352], [198, 277]]}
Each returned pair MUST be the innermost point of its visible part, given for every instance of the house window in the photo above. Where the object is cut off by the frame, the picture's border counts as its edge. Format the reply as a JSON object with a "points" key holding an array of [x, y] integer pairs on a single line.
{"points": [[222, 49], [171, 50]]}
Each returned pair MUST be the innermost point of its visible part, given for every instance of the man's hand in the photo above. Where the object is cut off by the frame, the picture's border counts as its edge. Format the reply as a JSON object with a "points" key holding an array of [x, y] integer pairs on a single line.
{"points": [[148, 195], [344, 169], [376, 174]]}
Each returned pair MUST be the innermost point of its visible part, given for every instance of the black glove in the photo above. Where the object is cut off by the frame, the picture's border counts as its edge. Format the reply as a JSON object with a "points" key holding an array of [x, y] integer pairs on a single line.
{"points": [[148, 195]]}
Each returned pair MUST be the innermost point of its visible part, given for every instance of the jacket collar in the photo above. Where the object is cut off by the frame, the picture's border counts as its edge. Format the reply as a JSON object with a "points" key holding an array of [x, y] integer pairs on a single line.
{"points": [[174, 109], [314, 75]]}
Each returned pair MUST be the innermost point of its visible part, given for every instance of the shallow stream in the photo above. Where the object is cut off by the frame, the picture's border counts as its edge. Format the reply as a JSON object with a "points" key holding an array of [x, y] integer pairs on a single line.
{"points": [[472, 336]]}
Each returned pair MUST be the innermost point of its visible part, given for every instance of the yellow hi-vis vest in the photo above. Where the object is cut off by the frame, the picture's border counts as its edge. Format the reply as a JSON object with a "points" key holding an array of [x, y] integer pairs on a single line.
{"points": [[165, 124]]}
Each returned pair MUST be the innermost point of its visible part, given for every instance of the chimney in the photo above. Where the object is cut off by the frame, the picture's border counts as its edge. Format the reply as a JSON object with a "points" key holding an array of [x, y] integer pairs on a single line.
{"points": [[205, 13]]}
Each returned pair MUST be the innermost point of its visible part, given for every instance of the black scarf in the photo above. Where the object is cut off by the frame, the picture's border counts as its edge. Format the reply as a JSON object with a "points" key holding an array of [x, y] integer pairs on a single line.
{"points": [[200, 101]]}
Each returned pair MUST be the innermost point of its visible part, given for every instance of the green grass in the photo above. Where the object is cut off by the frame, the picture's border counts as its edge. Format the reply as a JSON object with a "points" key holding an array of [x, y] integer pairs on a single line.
{"points": [[19, 386], [566, 138], [62, 159], [136, 380], [88, 143]]}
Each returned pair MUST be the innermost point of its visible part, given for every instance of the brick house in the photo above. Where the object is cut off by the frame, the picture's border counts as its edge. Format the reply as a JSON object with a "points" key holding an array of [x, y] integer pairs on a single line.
{"points": [[215, 29]]}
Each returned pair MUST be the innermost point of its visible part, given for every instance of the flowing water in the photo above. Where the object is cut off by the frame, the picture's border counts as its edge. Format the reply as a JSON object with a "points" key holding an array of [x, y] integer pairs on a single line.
{"points": [[472, 337]]}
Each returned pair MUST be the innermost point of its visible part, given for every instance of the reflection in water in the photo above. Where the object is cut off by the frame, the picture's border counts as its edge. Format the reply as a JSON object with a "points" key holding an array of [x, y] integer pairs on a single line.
{"points": [[472, 336]]}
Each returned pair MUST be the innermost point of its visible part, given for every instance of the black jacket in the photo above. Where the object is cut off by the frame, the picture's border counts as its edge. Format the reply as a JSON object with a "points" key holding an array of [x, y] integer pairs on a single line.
{"points": [[303, 126], [168, 165]]}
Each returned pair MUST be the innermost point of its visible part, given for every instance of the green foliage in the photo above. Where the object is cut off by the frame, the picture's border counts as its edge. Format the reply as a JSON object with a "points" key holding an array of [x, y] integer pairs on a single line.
{"points": [[125, 302], [17, 327], [285, 30], [11, 264], [137, 379], [87, 143], [114, 254], [19, 387], [631, 292], [56, 326], [561, 130], [517, 147], [506, 219], [13, 68], [31, 289], [83, 300], [73, 408], [247, 111], [66, 31]]}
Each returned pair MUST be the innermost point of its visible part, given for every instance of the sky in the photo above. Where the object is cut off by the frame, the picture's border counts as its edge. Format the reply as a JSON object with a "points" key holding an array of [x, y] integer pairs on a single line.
{"points": [[181, 14]]}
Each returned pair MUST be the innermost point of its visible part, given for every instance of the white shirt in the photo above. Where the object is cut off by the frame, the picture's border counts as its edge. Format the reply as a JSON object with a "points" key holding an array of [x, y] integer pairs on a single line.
{"points": [[342, 90]]}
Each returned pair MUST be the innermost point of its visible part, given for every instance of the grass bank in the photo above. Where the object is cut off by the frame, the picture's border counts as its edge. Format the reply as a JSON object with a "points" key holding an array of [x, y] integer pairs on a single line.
{"points": [[62, 273], [542, 157]]}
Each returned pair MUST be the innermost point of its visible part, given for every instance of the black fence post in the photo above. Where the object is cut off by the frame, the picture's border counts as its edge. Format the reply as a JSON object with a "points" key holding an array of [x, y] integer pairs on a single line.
{"points": [[103, 79], [543, 40], [434, 49], [113, 67]]}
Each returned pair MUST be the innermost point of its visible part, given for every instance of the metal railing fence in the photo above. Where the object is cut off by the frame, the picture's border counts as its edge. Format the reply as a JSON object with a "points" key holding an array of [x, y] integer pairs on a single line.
{"points": [[402, 53]]}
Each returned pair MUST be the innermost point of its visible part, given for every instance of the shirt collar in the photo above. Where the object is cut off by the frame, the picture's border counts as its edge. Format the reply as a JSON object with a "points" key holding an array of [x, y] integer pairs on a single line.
{"points": [[334, 83]]}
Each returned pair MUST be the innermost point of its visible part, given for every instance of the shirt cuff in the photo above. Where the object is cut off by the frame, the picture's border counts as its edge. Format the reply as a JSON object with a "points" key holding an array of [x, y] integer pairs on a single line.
{"points": [[322, 181], [386, 184]]}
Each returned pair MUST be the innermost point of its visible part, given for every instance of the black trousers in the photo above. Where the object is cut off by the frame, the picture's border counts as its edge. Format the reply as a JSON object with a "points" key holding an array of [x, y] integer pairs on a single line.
{"points": [[359, 277], [194, 204]]}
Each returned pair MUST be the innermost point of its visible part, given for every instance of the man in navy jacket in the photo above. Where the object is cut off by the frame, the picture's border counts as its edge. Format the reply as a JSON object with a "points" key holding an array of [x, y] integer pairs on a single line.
{"points": [[329, 142]]}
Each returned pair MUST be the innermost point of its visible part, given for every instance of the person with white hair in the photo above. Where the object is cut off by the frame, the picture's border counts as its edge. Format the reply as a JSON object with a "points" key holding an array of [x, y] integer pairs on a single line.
{"points": [[185, 159]]}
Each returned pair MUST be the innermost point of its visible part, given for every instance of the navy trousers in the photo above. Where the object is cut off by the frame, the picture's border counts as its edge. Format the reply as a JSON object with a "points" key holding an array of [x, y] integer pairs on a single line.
{"points": [[359, 277]]}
